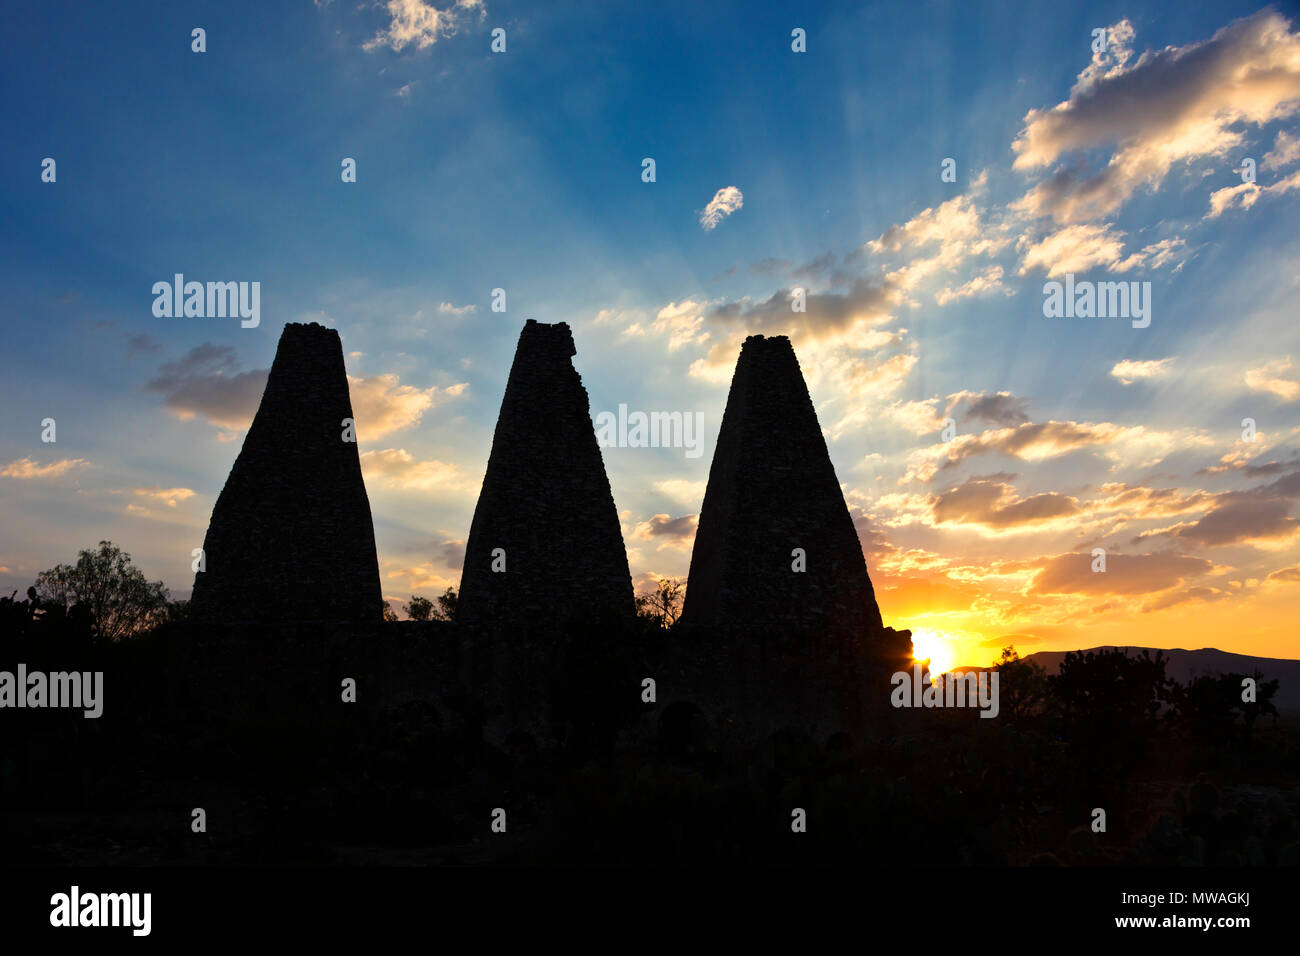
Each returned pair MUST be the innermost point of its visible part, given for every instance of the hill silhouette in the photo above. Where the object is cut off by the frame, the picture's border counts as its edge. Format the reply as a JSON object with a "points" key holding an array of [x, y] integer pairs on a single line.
{"points": [[1183, 665]]}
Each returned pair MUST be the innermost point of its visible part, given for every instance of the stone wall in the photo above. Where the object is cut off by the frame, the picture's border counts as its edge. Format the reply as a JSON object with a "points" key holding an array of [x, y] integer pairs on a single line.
{"points": [[546, 503], [291, 538], [772, 489]]}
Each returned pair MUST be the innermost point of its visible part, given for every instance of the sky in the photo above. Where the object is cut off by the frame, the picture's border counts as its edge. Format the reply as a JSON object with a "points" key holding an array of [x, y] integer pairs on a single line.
{"points": [[915, 176]]}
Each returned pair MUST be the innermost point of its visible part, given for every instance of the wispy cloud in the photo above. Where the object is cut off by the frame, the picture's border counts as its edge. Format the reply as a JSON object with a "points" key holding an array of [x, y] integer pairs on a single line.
{"points": [[26, 469], [1245, 195], [165, 496], [1130, 370], [398, 468], [1269, 378], [420, 24], [1285, 151], [725, 201]]}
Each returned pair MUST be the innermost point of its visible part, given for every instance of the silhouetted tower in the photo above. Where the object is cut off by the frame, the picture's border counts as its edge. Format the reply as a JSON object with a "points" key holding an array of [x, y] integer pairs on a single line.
{"points": [[545, 513], [291, 537], [772, 489]]}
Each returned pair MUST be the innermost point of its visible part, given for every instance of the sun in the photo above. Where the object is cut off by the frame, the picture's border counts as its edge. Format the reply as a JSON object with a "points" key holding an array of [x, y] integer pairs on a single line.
{"points": [[936, 646]]}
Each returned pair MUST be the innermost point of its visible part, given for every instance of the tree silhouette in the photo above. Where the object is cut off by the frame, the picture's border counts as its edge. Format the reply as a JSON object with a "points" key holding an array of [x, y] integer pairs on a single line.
{"points": [[1111, 707], [447, 604], [1109, 686], [1022, 685], [109, 588], [420, 608], [1208, 705], [663, 606]]}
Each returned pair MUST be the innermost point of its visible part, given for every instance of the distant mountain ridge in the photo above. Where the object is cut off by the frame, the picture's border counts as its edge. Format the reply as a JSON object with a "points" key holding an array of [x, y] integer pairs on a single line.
{"points": [[1182, 665]]}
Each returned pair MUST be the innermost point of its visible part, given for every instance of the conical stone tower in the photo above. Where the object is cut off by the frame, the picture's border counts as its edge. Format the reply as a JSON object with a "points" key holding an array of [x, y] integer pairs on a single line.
{"points": [[545, 513], [772, 489], [291, 538]]}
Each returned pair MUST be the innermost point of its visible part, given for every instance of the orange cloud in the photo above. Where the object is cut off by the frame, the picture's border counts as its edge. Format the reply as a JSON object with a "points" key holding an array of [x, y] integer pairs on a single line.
{"points": [[25, 469], [995, 504], [1125, 573], [1167, 106]]}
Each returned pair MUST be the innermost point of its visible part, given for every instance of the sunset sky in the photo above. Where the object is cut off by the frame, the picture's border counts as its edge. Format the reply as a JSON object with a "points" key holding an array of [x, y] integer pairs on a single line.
{"points": [[775, 170]]}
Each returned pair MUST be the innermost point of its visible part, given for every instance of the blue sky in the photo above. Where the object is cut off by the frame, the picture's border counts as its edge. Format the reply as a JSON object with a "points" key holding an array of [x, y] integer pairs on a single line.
{"points": [[522, 170]]}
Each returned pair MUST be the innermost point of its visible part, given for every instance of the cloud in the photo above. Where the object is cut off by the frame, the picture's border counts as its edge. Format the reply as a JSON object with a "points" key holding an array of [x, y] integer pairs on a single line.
{"points": [[831, 320], [606, 316], [1245, 195], [1073, 249], [1156, 255], [415, 22], [999, 408], [140, 344], [206, 382], [1087, 246], [1269, 379], [942, 239], [822, 267], [1125, 573], [398, 468], [1240, 518], [1259, 516], [875, 543], [679, 489], [674, 532], [452, 553], [1130, 370], [1290, 575], [919, 418], [1134, 445], [956, 225], [725, 201], [382, 405], [988, 281], [1238, 459], [837, 325], [1170, 105], [1034, 442], [680, 321], [862, 385], [826, 313], [1138, 502], [1285, 151], [420, 577], [1196, 595], [996, 505], [166, 496], [446, 308], [26, 469]]}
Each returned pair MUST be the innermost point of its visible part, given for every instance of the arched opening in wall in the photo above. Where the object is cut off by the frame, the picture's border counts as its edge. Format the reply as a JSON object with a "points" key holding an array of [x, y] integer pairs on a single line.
{"points": [[683, 732]]}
